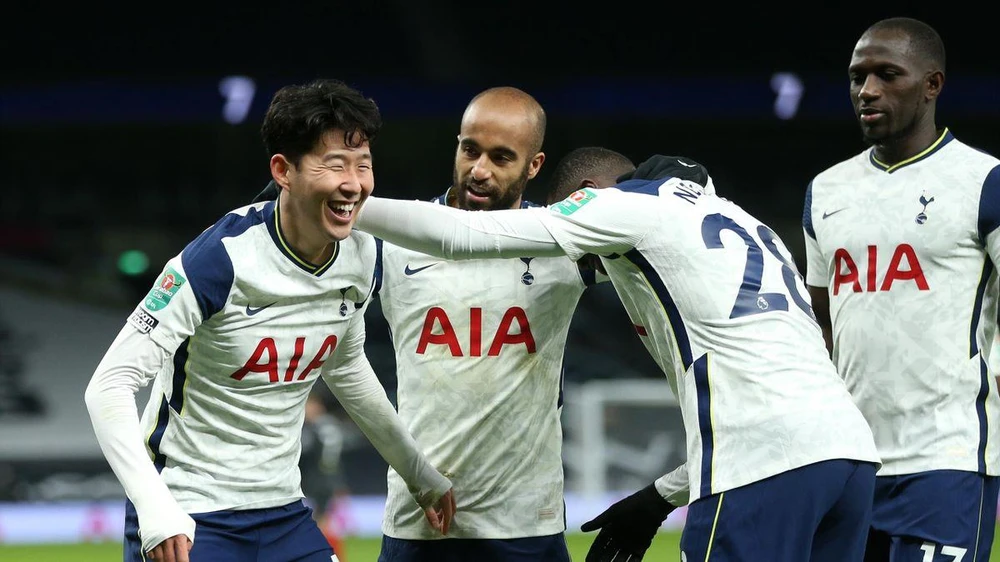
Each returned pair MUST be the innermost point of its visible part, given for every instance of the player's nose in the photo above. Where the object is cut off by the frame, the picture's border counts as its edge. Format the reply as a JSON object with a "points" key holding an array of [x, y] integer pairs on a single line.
{"points": [[482, 169]]}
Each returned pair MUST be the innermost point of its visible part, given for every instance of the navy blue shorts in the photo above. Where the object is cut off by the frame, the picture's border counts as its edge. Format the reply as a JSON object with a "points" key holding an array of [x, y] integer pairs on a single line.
{"points": [[551, 548], [935, 516], [816, 513], [276, 534]]}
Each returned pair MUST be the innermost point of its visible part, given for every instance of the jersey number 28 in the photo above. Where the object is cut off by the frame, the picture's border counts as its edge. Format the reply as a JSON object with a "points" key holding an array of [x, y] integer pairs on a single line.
{"points": [[750, 299]]}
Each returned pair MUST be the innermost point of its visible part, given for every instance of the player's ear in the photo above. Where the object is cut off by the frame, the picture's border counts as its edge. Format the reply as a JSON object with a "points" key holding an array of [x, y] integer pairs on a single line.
{"points": [[933, 85], [280, 167], [535, 164]]}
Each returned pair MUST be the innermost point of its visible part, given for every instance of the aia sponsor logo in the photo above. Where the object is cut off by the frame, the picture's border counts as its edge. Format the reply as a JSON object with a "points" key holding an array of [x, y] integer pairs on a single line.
{"points": [[903, 267]]}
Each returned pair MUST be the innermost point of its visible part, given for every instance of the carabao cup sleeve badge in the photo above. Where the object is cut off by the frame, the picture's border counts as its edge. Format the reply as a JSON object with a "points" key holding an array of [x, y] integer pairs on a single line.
{"points": [[164, 290]]}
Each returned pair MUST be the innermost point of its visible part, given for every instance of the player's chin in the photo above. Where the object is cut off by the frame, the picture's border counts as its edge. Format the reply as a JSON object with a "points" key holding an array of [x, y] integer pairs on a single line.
{"points": [[874, 133], [337, 232]]}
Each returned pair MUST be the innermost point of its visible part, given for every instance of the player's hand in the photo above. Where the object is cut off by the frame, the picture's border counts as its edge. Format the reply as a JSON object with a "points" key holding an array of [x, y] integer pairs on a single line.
{"points": [[269, 193], [442, 512], [658, 167], [174, 549], [628, 527]]}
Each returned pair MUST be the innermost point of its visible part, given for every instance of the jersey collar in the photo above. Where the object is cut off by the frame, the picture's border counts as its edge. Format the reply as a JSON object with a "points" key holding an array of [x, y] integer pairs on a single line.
{"points": [[274, 228], [942, 140]]}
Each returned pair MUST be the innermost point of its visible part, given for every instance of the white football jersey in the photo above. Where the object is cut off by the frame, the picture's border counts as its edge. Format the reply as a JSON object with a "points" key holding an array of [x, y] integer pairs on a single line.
{"points": [[253, 327], [717, 301], [909, 254], [479, 355]]}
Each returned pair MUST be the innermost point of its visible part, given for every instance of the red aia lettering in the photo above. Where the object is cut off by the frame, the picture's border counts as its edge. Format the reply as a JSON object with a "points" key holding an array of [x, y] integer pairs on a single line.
{"points": [[257, 364], [437, 319], [846, 270]]}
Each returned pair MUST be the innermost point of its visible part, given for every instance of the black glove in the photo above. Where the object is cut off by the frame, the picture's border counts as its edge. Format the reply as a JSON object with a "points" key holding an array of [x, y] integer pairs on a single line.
{"points": [[270, 193], [658, 167], [628, 527]]}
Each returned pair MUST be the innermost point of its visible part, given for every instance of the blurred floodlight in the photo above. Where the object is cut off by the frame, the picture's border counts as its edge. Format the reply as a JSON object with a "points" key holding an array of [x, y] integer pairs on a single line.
{"points": [[788, 89], [238, 92], [133, 262]]}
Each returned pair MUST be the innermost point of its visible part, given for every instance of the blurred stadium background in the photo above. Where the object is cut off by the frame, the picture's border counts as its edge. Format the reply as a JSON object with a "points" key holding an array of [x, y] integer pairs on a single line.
{"points": [[124, 135]]}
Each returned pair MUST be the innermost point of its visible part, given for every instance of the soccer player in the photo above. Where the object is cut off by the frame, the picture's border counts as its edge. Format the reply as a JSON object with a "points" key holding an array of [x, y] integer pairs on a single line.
{"points": [[479, 352], [234, 334], [780, 462], [902, 252]]}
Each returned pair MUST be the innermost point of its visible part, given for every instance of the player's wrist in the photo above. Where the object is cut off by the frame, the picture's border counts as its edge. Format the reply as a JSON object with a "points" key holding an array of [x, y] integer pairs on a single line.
{"points": [[658, 505]]}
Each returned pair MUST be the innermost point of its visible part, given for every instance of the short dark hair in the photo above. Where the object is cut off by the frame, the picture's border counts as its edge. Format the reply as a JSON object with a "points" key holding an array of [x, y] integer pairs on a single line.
{"points": [[925, 39], [582, 163], [299, 115]]}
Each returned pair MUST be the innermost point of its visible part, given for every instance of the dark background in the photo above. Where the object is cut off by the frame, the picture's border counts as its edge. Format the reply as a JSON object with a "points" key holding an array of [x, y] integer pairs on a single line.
{"points": [[113, 135]]}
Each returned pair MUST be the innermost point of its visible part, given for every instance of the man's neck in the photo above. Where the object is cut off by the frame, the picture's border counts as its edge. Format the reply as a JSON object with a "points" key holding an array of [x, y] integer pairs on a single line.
{"points": [[897, 150], [308, 247]]}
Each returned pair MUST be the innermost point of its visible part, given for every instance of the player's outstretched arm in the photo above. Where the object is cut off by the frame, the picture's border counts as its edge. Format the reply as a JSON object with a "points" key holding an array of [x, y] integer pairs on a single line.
{"points": [[450, 233], [352, 380], [131, 362]]}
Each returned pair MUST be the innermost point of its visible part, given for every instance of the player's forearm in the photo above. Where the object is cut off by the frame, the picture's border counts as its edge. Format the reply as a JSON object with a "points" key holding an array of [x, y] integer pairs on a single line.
{"points": [[674, 486], [442, 231], [363, 397], [110, 399]]}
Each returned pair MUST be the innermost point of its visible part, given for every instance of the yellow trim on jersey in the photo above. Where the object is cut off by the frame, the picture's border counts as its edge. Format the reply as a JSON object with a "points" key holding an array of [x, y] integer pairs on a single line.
{"points": [[921, 154], [288, 249], [979, 525], [715, 524], [148, 441]]}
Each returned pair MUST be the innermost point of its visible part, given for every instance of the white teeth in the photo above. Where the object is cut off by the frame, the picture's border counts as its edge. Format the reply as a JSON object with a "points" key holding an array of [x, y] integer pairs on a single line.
{"points": [[346, 207]]}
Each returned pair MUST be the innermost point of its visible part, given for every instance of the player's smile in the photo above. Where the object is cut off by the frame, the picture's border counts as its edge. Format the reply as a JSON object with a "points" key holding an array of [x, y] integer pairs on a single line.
{"points": [[341, 212]]}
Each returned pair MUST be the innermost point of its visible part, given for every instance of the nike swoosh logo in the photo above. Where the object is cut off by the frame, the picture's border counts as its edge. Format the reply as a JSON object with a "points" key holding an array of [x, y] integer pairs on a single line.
{"points": [[830, 214], [410, 271], [683, 163], [252, 311]]}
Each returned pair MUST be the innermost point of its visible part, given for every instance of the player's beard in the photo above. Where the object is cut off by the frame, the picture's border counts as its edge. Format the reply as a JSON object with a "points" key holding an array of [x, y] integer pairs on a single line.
{"points": [[499, 199]]}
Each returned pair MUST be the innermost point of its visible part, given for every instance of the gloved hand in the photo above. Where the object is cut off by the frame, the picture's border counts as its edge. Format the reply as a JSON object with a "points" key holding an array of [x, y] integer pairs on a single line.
{"points": [[658, 167], [270, 193], [628, 526]]}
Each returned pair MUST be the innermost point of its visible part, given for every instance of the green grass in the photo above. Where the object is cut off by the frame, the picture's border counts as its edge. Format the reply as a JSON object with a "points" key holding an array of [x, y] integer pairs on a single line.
{"points": [[665, 548]]}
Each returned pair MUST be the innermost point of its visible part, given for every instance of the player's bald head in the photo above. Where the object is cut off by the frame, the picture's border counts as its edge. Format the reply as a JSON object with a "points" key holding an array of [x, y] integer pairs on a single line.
{"points": [[515, 109]]}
